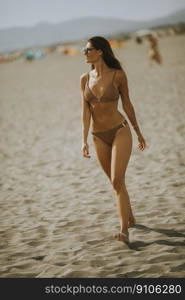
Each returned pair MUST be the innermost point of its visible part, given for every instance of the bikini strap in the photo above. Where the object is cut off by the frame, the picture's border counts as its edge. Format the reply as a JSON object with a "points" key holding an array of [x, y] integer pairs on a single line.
{"points": [[113, 76], [87, 82]]}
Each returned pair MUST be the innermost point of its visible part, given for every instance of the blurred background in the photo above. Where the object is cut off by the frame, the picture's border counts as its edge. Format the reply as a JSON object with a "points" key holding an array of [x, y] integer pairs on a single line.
{"points": [[28, 25]]}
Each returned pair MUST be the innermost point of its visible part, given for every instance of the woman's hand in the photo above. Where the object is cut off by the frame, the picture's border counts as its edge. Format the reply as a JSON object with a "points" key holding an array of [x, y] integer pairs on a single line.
{"points": [[142, 143], [85, 150]]}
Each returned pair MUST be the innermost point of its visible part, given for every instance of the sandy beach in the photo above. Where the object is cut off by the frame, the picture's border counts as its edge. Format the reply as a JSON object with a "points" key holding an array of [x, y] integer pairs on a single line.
{"points": [[58, 211]]}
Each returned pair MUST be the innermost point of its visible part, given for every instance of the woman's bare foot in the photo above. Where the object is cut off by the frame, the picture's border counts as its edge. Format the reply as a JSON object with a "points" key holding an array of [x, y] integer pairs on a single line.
{"points": [[122, 237]]}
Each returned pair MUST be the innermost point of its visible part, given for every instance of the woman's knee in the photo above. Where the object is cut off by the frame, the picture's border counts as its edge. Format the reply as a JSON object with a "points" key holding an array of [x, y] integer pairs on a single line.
{"points": [[117, 184]]}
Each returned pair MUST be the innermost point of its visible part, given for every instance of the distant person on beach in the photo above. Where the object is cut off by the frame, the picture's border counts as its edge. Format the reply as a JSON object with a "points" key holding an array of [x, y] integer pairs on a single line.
{"points": [[139, 40], [154, 54], [100, 90]]}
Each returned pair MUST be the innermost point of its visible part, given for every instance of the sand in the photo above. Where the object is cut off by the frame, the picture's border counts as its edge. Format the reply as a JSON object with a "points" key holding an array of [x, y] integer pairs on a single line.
{"points": [[58, 211]]}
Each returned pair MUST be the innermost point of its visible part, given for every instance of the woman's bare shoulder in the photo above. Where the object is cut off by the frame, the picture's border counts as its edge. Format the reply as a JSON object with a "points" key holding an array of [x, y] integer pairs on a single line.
{"points": [[120, 74], [83, 80], [83, 77]]}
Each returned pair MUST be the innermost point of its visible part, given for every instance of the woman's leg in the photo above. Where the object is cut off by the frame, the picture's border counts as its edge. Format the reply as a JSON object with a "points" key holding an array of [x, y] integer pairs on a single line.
{"points": [[103, 152], [121, 151]]}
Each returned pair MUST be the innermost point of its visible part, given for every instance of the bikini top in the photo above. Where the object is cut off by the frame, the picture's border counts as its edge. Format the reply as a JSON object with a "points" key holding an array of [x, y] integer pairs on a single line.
{"points": [[111, 93]]}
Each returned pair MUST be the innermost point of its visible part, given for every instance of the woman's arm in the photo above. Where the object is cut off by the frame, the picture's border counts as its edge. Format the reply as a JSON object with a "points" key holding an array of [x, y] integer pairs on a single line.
{"points": [[126, 103], [85, 116], [129, 109]]}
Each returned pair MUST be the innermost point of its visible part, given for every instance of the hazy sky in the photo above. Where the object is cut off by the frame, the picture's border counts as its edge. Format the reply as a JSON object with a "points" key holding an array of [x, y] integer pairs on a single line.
{"points": [[30, 12]]}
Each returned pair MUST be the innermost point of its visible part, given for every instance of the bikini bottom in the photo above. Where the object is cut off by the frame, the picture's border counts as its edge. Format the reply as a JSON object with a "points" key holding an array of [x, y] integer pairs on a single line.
{"points": [[109, 135]]}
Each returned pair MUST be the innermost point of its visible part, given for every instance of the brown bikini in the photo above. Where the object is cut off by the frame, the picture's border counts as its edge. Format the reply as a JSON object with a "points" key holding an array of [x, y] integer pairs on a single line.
{"points": [[111, 94]]}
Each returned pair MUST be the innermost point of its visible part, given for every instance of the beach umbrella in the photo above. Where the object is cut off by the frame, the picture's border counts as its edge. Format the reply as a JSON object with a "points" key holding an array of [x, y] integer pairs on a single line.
{"points": [[39, 54]]}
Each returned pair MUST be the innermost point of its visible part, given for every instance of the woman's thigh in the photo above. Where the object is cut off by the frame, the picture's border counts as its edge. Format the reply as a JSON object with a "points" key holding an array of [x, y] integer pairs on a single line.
{"points": [[103, 152], [121, 151]]}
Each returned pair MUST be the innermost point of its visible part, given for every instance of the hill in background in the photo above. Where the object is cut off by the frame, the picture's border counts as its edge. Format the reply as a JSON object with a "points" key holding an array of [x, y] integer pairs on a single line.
{"points": [[43, 34]]}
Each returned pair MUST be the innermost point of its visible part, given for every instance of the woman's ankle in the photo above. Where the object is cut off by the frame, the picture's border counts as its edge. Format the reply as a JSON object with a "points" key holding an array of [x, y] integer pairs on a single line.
{"points": [[124, 230]]}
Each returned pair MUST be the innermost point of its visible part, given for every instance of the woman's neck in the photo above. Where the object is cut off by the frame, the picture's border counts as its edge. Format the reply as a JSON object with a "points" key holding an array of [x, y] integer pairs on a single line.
{"points": [[100, 67]]}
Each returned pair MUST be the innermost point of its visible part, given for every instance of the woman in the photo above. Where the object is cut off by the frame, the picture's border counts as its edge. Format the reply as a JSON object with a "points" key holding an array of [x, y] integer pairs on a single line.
{"points": [[154, 49], [100, 90]]}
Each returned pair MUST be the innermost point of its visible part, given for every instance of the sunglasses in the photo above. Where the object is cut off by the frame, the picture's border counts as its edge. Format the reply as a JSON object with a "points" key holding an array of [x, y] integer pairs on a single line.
{"points": [[87, 50]]}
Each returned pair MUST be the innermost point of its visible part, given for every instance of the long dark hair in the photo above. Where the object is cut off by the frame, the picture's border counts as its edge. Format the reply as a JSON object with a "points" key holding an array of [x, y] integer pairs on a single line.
{"points": [[100, 43]]}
